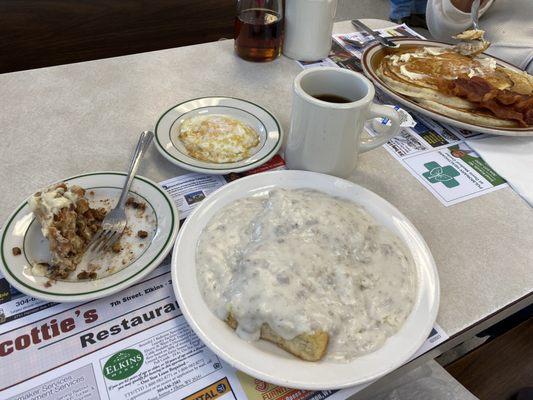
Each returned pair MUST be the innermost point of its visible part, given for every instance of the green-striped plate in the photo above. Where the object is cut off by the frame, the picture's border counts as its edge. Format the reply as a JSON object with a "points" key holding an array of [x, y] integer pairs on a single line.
{"points": [[160, 220], [257, 117]]}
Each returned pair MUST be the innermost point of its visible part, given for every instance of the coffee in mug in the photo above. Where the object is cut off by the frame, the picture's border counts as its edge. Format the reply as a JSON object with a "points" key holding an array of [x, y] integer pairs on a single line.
{"points": [[332, 98]]}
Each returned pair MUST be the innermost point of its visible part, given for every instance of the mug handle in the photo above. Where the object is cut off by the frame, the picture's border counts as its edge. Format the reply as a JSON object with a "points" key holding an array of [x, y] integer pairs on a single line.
{"points": [[376, 111]]}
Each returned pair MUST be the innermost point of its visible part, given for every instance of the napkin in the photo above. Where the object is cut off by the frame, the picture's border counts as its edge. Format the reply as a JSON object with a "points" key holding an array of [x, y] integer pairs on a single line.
{"points": [[511, 158]]}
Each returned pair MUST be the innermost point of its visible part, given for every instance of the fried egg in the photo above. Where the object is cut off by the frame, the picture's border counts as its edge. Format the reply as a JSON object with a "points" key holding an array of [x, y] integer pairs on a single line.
{"points": [[217, 138]]}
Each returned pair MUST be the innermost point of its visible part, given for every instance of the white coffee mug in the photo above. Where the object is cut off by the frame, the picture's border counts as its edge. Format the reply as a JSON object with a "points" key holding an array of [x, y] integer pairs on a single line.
{"points": [[325, 136]]}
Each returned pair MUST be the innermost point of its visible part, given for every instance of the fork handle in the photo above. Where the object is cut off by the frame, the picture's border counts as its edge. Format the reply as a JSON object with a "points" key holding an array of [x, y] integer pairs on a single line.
{"points": [[142, 145], [381, 39], [474, 13]]}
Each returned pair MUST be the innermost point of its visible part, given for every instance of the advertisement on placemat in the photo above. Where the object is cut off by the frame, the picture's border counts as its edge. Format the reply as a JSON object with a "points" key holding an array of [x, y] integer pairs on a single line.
{"points": [[256, 389], [454, 173], [190, 189]]}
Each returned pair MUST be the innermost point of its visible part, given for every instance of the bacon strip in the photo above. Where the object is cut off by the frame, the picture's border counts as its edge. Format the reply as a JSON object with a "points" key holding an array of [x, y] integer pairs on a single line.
{"points": [[503, 104]]}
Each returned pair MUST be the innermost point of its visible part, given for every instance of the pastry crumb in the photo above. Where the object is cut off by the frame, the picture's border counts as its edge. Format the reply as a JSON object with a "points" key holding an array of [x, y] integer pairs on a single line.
{"points": [[142, 234], [117, 247], [136, 204], [87, 275], [16, 251]]}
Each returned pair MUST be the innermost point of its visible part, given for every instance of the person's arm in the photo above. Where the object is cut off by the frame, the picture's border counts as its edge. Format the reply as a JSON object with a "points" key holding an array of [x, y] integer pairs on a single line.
{"points": [[446, 18]]}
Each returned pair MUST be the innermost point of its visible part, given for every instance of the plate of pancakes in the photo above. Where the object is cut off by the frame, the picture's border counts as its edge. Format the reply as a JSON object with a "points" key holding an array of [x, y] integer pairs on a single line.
{"points": [[480, 93]]}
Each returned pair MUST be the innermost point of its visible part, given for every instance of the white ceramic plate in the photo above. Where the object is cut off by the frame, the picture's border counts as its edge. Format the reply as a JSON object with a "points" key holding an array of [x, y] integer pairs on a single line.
{"points": [[22, 230], [264, 123], [370, 62], [266, 361]]}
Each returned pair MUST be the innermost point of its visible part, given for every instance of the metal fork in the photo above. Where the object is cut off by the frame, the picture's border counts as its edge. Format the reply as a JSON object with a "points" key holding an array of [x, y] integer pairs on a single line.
{"points": [[381, 39], [115, 221]]}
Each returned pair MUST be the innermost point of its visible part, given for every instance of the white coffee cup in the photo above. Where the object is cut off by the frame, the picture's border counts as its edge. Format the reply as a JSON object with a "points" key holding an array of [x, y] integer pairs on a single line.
{"points": [[325, 136]]}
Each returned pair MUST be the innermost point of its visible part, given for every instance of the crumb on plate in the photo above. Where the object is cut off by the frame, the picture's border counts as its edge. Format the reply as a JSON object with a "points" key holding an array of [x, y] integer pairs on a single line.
{"points": [[117, 247], [87, 275], [136, 204]]}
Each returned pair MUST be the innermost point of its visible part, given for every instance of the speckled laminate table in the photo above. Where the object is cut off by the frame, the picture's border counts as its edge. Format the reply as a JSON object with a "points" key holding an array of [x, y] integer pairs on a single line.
{"points": [[65, 120]]}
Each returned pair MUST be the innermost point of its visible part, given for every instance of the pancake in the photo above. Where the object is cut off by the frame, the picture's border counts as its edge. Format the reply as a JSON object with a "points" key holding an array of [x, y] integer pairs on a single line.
{"points": [[419, 73], [426, 66], [418, 92], [471, 34], [472, 42], [522, 82]]}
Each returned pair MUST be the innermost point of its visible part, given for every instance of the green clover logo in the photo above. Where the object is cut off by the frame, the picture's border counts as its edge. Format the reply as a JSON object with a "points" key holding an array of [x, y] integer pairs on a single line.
{"points": [[445, 175]]}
